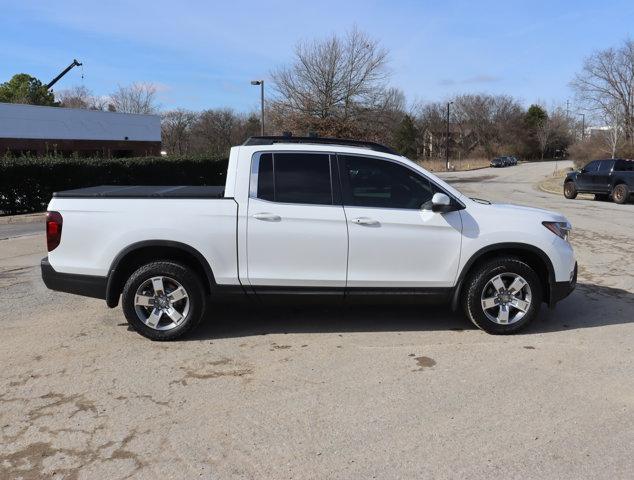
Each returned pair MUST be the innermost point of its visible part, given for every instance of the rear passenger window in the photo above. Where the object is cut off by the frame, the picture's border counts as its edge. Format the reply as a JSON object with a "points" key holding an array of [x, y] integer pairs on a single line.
{"points": [[265, 178], [295, 178]]}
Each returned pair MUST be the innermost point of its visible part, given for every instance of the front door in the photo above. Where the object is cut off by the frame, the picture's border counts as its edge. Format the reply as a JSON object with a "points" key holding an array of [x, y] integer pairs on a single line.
{"points": [[393, 242], [585, 178], [296, 229]]}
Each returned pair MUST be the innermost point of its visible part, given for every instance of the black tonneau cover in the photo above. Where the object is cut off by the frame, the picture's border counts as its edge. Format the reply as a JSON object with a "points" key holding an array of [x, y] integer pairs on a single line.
{"points": [[143, 191]]}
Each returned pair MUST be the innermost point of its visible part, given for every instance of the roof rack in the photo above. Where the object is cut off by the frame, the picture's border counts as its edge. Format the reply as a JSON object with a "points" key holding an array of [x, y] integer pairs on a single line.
{"points": [[270, 140]]}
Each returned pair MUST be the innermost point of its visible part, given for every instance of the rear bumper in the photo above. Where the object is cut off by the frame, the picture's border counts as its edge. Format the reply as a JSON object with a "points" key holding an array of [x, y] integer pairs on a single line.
{"points": [[85, 285], [560, 290]]}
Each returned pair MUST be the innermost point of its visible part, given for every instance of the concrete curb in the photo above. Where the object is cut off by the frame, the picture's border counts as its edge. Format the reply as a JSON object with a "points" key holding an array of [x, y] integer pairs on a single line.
{"points": [[543, 188], [26, 218]]}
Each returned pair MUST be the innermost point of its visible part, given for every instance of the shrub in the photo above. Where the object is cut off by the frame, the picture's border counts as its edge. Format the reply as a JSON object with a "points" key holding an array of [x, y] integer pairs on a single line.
{"points": [[27, 183], [594, 147]]}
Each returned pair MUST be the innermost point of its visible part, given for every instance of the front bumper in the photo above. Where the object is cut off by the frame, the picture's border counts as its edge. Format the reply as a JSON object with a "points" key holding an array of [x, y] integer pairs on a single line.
{"points": [[85, 285], [560, 290]]}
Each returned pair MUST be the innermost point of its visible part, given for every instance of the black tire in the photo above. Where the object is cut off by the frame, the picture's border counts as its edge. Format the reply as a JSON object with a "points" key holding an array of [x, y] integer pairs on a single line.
{"points": [[174, 273], [570, 190], [479, 280], [621, 193]]}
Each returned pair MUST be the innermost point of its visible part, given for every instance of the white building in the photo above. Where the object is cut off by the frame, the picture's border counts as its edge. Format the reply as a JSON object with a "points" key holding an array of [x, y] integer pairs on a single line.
{"points": [[39, 130]]}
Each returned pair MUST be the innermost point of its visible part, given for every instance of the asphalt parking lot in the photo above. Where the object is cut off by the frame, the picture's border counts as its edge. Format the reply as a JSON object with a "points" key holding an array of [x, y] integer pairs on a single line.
{"points": [[396, 392]]}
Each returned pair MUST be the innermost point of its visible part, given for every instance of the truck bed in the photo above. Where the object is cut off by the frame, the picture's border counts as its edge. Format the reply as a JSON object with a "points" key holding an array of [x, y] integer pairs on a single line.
{"points": [[143, 191]]}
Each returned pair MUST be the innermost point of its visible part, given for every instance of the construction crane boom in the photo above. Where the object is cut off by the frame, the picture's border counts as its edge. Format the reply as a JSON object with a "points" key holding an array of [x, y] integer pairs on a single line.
{"points": [[64, 72]]}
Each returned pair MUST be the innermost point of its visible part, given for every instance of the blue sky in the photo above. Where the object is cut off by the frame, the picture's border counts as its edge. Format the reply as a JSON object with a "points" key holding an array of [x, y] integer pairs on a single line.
{"points": [[204, 53]]}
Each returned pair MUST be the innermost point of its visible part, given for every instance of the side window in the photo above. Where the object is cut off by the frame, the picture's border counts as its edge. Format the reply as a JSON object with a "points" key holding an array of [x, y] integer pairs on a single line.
{"points": [[266, 189], [591, 167], [605, 166], [295, 178], [382, 184], [623, 166]]}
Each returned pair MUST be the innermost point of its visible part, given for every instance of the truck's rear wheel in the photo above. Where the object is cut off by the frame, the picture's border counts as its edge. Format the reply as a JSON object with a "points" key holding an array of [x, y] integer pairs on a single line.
{"points": [[620, 193], [570, 191], [502, 296], [163, 300]]}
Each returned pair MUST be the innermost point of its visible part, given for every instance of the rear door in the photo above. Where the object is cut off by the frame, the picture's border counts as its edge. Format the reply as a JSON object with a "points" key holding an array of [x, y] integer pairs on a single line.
{"points": [[296, 229], [601, 179], [393, 243]]}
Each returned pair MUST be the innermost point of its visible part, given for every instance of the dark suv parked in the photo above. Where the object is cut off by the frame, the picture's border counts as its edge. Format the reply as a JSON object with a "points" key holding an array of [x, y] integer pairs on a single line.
{"points": [[605, 178], [499, 162]]}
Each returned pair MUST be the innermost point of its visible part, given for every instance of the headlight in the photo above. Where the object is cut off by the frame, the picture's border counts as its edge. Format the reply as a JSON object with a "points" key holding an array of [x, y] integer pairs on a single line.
{"points": [[561, 229]]}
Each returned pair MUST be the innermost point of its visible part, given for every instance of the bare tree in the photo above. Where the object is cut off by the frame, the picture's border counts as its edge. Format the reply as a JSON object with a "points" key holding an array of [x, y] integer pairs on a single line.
{"points": [[613, 118], [544, 133], [331, 83], [552, 131], [176, 131], [214, 132], [489, 123], [135, 98], [81, 97], [607, 78], [75, 97]]}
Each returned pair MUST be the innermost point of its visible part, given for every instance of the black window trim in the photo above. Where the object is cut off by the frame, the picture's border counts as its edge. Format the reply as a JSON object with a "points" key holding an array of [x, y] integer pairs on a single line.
{"points": [[345, 187], [335, 187]]}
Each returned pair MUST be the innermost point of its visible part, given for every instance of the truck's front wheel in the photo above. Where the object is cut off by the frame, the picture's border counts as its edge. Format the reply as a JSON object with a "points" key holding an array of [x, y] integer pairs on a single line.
{"points": [[163, 300], [570, 191], [502, 296]]}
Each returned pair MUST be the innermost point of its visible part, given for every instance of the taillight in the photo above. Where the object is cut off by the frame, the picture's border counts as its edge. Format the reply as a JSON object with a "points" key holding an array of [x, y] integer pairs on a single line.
{"points": [[54, 222]]}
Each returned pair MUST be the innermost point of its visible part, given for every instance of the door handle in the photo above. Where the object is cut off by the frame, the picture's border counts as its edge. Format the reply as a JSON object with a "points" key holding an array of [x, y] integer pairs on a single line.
{"points": [[365, 221], [267, 217]]}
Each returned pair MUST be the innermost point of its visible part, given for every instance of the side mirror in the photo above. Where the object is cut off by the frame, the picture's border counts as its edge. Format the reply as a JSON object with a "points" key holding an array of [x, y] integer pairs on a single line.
{"points": [[440, 203], [583, 170]]}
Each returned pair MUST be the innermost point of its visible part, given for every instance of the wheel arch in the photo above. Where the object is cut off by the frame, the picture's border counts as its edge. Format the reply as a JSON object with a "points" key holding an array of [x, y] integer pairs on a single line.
{"points": [[140, 253], [536, 258], [619, 181]]}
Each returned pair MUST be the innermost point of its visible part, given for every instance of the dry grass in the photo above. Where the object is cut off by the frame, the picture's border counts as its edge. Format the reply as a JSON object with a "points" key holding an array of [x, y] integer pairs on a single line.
{"points": [[555, 183], [457, 165]]}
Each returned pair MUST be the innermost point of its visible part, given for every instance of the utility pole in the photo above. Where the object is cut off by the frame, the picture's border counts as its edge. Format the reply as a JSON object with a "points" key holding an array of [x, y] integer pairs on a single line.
{"points": [[583, 126], [261, 84], [447, 140]]}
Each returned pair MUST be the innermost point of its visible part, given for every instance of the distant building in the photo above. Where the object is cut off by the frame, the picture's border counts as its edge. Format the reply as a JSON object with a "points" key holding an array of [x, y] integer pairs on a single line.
{"points": [[35, 130]]}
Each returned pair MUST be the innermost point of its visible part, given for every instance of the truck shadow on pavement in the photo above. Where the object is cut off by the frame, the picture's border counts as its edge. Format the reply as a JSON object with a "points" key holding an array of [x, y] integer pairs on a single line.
{"points": [[588, 306]]}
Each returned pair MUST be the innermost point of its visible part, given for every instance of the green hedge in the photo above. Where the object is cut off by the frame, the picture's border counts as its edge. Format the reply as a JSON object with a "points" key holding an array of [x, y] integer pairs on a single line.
{"points": [[27, 183]]}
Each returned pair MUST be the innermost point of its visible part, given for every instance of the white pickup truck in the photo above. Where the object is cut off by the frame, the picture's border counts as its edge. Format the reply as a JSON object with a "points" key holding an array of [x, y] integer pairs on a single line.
{"points": [[308, 219]]}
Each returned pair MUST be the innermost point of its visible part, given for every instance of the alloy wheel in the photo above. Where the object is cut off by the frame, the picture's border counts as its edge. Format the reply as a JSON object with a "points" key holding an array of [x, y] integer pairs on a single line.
{"points": [[161, 303], [506, 298]]}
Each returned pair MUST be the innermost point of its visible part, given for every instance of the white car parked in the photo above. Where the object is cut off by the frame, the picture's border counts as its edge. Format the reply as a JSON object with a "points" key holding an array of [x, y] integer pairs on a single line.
{"points": [[308, 219]]}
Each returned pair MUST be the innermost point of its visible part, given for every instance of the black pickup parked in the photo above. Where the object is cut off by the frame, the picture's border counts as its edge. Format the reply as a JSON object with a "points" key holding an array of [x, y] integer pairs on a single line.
{"points": [[605, 178]]}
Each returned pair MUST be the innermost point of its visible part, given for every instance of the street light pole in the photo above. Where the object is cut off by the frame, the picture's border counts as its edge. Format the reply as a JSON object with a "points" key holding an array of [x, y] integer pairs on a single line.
{"points": [[261, 84], [447, 140]]}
